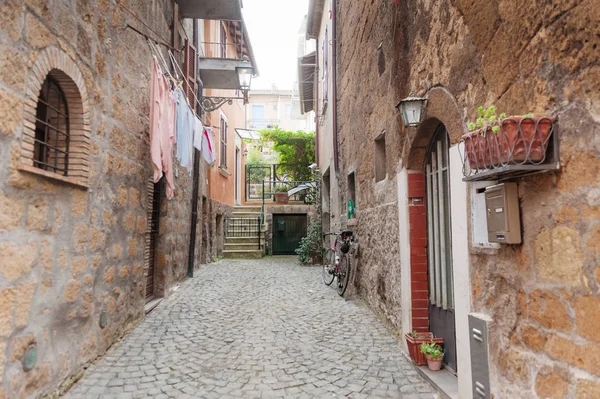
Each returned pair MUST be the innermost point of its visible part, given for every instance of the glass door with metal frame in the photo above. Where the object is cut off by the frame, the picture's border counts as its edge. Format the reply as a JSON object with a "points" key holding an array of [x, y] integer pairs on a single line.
{"points": [[440, 274]]}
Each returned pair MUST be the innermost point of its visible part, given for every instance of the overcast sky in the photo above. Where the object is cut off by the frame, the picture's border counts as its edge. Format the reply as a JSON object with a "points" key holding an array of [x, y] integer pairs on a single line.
{"points": [[273, 28]]}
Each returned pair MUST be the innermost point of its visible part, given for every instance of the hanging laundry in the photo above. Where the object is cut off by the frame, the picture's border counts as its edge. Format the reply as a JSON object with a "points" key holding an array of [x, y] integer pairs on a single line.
{"points": [[162, 128], [208, 148], [198, 133], [185, 130]]}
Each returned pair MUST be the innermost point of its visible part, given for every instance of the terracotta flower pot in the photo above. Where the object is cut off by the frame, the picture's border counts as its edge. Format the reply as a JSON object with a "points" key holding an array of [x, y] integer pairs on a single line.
{"points": [[479, 146], [434, 364], [414, 346], [281, 198], [532, 139]]}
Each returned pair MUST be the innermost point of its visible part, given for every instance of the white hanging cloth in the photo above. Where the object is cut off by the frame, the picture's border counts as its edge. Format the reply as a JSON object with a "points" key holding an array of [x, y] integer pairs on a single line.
{"points": [[207, 146]]}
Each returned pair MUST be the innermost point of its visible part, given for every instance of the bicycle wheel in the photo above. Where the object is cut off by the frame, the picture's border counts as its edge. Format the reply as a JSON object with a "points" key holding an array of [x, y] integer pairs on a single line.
{"points": [[344, 276], [328, 267]]}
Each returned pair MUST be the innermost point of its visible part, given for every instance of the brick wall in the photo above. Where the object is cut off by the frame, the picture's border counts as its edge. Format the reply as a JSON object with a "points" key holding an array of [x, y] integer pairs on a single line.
{"points": [[417, 211]]}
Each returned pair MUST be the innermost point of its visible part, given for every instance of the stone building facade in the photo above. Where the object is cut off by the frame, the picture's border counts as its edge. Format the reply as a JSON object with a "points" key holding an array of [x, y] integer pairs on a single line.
{"points": [[542, 296], [75, 236]]}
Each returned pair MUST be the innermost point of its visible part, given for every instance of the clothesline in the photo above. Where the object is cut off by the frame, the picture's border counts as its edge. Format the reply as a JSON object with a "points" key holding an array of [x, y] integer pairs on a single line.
{"points": [[175, 68]]}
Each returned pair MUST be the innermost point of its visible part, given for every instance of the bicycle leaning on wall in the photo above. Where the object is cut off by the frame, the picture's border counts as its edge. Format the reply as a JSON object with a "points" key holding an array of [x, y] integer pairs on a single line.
{"points": [[336, 262]]}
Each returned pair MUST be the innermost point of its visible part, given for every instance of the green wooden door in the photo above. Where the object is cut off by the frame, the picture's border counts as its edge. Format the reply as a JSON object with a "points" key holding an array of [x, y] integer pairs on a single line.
{"points": [[288, 230]]}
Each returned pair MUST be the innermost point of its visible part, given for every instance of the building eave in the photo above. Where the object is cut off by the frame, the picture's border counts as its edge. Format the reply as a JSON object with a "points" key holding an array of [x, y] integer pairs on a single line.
{"points": [[313, 22]]}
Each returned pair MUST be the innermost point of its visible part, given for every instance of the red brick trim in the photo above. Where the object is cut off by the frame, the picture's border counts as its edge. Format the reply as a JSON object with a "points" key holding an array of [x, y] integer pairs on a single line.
{"points": [[417, 210], [58, 64]]}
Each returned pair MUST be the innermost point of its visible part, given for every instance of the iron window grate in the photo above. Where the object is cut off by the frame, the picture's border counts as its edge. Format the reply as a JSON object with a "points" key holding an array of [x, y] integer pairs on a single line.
{"points": [[52, 136]]}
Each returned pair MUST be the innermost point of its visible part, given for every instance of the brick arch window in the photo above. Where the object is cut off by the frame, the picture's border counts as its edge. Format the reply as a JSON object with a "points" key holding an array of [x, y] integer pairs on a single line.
{"points": [[51, 145], [56, 133]]}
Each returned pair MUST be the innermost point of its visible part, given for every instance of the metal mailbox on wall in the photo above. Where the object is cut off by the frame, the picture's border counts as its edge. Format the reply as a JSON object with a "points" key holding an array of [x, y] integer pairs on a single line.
{"points": [[502, 207]]}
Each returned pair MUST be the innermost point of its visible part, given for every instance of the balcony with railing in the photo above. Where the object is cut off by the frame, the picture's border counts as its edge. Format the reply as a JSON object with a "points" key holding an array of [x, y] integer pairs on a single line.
{"points": [[263, 181], [223, 56]]}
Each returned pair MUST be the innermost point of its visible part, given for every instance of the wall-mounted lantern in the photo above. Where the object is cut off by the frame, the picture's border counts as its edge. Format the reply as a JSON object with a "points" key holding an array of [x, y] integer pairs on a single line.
{"points": [[244, 76], [210, 104], [412, 108], [245, 152]]}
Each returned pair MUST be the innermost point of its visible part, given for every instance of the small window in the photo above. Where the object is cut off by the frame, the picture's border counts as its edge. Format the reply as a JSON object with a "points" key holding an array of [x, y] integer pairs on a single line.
{"points": [[223, 135], [51, 147], [380, 159], [55, 140], [258, 116], [288, 109], [223, 41], [352, 195]]}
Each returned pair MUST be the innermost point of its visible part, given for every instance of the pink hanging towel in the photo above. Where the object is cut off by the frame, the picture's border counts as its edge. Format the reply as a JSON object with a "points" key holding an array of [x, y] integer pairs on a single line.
{"points": [[162, 129]]}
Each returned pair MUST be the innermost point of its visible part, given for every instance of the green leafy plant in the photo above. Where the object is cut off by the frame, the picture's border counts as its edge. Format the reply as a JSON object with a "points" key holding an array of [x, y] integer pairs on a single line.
{"points": [[281, 188], [530, 115], [312, 244], [432, 349], [413, 334], [296, 150], [487, 117]]}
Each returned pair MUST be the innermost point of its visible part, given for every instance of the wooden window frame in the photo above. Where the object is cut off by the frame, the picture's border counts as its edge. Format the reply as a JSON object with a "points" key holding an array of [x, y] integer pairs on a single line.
{"points": [[223, 143], [223, 41], [325, 77]]}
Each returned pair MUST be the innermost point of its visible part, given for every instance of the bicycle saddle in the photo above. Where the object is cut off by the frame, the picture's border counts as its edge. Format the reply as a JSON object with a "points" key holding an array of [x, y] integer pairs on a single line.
{"points": [[347, 234]]}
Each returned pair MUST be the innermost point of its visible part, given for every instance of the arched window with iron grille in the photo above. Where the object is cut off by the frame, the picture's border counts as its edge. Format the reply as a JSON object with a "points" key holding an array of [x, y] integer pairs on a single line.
{"points": [[51, 148]]}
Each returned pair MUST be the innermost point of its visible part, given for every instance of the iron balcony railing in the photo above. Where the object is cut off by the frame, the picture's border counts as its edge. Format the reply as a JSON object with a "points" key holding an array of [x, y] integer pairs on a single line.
{"points": [[264, 177]]}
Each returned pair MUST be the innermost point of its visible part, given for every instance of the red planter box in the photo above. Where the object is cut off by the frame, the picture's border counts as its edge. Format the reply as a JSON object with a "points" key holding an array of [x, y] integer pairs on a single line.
{"points": [[414, 346]]}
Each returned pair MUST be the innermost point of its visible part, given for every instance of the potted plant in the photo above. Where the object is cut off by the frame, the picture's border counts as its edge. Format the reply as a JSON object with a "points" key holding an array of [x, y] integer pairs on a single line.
{"points": [[414, 340], [481, 143], [280, 193], [495, 141], [434, 354]]}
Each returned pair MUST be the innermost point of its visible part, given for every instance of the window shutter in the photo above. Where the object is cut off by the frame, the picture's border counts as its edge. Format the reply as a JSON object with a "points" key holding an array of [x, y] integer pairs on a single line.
{"points": [[189, 68], [325, 65]]}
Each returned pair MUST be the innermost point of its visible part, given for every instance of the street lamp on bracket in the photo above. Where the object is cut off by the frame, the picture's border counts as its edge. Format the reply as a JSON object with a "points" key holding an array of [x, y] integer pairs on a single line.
{"points": [[210, 104], [412, 109]]}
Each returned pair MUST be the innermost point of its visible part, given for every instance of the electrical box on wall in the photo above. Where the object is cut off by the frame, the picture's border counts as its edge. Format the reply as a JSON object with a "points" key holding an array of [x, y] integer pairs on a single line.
{"points": [[502, 207]]}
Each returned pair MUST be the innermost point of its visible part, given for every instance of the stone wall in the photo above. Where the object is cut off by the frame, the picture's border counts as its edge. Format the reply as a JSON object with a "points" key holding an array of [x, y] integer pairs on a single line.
{"points": [[215, 225], [369, 86], [539, 57], [71, 254]]}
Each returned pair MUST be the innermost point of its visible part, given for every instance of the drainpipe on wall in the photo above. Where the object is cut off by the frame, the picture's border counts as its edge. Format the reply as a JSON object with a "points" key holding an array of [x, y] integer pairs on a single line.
{"points": [[196, 181], [316, 102], [334, 88]]}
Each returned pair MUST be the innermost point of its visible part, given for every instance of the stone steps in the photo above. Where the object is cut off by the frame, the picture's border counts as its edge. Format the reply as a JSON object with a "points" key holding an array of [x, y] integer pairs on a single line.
{"points": [[245, 247], [246, 254], [238, 246]]}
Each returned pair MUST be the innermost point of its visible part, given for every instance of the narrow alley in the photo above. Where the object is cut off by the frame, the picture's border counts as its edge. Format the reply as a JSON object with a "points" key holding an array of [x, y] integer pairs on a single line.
{"points": [[255, 328]]}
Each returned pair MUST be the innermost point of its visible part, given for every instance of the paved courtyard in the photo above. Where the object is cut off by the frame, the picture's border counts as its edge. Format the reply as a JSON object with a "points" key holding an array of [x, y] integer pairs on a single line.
{"points": [[255, 328]]}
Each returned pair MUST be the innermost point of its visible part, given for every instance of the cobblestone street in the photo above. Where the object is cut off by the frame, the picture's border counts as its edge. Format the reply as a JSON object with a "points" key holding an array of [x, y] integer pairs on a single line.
{"points": [[255, 328]]}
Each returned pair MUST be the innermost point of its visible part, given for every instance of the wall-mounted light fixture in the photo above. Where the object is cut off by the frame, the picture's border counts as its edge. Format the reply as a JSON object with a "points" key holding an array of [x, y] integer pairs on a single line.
{"points": [[210, 104], [412, 108]]}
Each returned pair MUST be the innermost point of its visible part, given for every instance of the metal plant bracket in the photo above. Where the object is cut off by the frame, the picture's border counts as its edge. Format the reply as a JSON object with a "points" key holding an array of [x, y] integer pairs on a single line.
{"points": [[210, 104]]}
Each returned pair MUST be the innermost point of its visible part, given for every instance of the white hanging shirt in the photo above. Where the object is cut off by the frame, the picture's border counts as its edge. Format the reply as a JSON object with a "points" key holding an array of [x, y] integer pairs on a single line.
{"points": [[198, 133], [208, 148]]}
